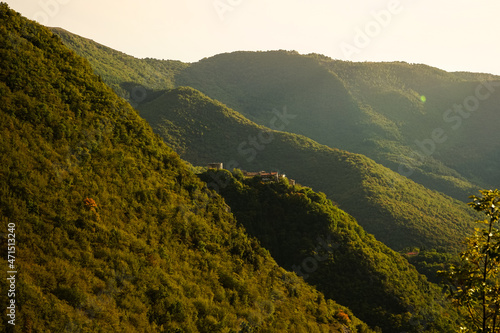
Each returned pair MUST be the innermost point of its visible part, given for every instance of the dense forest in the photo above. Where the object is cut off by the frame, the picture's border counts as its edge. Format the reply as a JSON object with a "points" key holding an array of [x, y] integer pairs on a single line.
{"points": [[397, 211], [113, 231], [286, 87], [417, 120], [120, 226], [305, 232], [130, 78]]}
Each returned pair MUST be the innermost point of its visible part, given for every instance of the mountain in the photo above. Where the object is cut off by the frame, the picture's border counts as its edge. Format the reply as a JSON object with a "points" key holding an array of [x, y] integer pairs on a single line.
{"points": [[396, 210], [113, 232], [401, 214], [421, 122], [306, 233], [129, 77]]}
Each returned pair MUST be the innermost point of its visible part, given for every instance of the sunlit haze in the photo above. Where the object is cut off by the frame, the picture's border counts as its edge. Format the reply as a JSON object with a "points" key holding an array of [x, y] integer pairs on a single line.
{"points": [[453, 35]]}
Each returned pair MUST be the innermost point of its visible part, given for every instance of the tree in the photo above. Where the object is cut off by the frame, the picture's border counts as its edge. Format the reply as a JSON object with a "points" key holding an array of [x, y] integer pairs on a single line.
{"points": [[475, 281]]}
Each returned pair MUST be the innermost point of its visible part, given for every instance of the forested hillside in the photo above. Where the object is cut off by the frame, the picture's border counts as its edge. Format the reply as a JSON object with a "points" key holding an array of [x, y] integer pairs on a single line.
{"points": [[421, 99], [131, 78], [419, 121], [305, 232], [113, 232], [396, 210], [400, 213], [410, 118], [312, 117]]}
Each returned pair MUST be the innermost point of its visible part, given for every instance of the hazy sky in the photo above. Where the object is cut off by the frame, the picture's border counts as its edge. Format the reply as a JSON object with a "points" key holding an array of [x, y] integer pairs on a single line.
{"points": [[449, 34]]}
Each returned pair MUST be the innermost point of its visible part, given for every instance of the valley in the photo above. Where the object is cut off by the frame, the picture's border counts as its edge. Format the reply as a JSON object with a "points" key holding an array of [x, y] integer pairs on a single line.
{"points": [[262, 191]]}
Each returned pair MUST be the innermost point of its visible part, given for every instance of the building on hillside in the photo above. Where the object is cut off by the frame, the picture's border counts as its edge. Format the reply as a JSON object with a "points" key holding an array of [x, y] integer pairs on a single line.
{"points": [[265, 176], [216, 166], [269, 176]]}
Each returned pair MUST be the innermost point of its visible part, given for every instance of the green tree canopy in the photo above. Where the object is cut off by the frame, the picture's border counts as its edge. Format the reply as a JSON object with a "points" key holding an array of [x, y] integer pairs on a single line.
{"points": [[475, 282]]}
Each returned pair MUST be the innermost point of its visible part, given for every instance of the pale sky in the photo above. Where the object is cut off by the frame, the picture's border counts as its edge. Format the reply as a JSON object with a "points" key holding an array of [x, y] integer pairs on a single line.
{"points": [[454, 35]]}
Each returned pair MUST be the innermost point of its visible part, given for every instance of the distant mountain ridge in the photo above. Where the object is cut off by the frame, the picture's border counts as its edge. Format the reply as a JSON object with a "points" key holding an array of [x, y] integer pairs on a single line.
{"points": [[113, 232], [203, 130], [397, 211], [386, 111], [129, 77]]}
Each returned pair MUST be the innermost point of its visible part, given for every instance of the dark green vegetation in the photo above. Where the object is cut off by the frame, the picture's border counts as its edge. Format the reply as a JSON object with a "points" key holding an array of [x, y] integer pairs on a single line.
{"points": [[129, 77], [113, 232], [144, 243], [322, 98], [305, 232], [396, 210], [370, 108], [375, 109], [475, 281]]}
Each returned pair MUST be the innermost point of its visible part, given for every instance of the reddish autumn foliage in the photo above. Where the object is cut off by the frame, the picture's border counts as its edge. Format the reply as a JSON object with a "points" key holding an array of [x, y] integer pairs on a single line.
{"points": [[90, 203], [343, 317]]}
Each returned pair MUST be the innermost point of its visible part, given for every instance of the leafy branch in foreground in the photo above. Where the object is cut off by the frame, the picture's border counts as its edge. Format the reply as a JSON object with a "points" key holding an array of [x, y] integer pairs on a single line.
{"points": [[475, 282]]}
